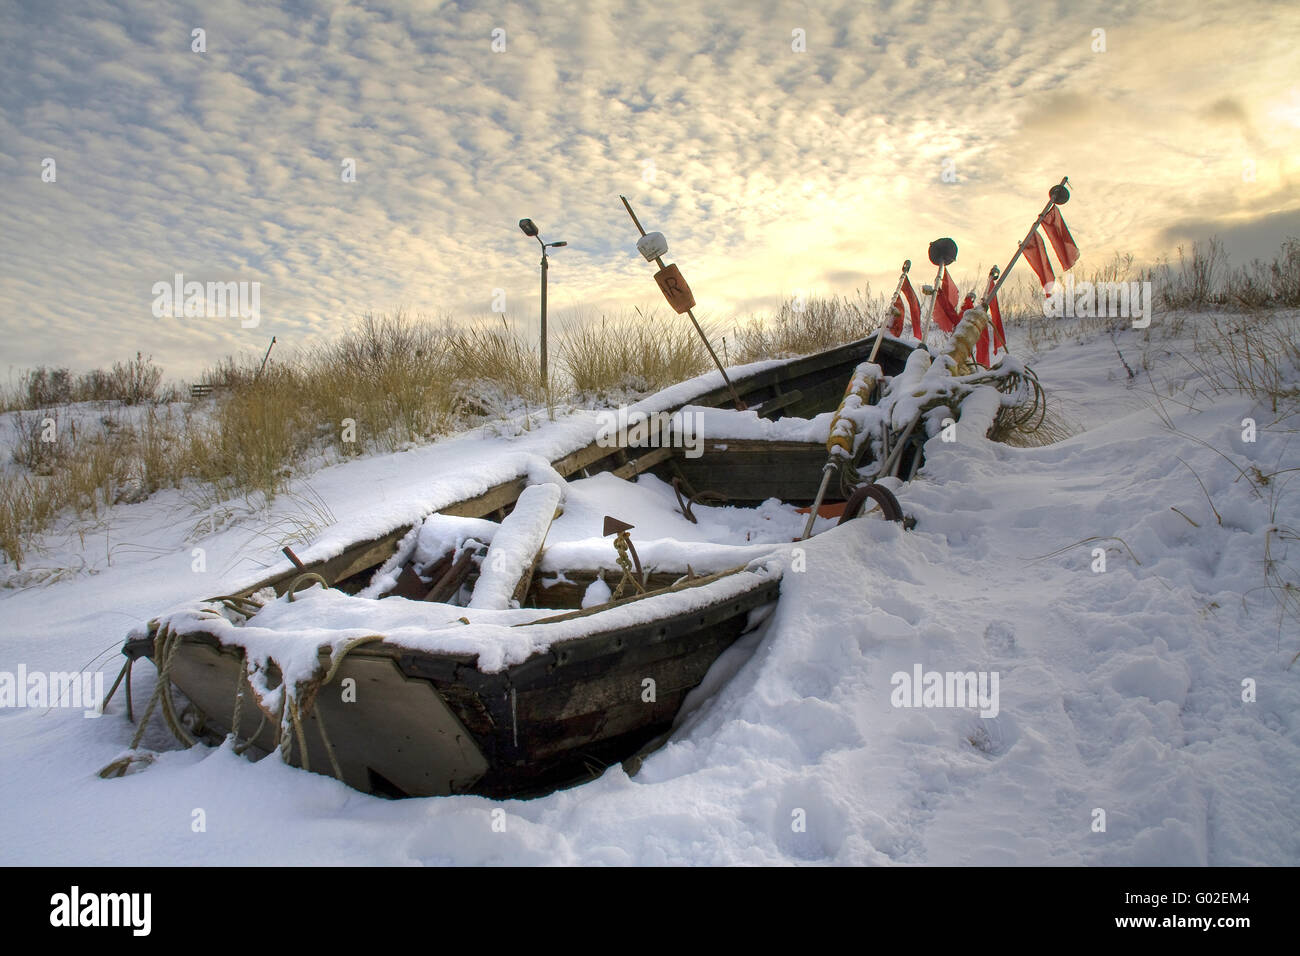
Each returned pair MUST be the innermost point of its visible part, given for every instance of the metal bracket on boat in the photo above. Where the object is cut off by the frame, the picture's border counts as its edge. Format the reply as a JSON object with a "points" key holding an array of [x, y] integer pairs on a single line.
{"points": [[881, 495], [624, 546], [304, 576], [694, 497]]}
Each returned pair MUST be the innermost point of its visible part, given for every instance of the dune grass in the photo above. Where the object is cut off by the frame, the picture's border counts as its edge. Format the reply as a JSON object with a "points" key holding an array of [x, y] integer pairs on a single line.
{"points": [[804, 326], [630, 353]]}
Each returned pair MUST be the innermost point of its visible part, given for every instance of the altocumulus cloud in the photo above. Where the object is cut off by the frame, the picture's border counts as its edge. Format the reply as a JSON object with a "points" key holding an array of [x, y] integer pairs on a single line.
{"points": [[768, 169]]}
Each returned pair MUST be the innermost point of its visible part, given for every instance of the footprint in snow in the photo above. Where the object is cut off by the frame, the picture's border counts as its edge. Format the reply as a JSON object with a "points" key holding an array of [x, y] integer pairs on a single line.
{"points": [[1000, 637], [992, 736]]}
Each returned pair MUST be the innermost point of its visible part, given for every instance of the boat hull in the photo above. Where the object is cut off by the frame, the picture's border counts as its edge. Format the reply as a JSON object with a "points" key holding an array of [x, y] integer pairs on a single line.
{"points": [[410, 723]]}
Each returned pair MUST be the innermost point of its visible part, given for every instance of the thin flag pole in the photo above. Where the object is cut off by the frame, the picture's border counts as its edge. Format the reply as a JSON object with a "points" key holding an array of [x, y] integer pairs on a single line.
{"points": [[1065, 180], [934, 301], [735, 396], [991, 284], [880, 335]]}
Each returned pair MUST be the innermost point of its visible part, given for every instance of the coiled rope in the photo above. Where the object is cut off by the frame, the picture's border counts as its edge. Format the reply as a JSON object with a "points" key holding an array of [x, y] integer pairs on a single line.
{"points": [[166, 643], [296, 706]]}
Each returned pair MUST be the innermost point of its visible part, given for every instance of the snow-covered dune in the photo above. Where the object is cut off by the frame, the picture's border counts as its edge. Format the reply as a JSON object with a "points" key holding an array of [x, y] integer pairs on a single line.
{"points": [[1143, 713]]}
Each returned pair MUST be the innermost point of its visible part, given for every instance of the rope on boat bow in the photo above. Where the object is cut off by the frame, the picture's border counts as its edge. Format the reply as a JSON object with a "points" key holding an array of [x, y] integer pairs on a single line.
{"points": [[294, 709], [309, 576], [166, 644]]}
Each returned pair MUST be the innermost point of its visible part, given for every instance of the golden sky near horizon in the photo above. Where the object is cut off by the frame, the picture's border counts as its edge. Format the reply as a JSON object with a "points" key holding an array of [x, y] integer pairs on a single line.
{"points": [[781, 148]]}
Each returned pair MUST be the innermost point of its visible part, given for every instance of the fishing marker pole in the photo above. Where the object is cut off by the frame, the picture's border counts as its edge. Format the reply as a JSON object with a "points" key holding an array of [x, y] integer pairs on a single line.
{"points": [[907, 264], [673, 285], [942, 253], [1058, 195]]}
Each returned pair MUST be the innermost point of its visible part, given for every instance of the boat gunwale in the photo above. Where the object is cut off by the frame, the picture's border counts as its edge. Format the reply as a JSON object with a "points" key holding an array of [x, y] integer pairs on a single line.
{"points": [[763, 590]]}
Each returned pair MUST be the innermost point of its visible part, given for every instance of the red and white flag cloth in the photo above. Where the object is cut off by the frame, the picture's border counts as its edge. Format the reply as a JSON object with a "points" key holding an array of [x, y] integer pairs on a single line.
{"points": [[905, 305], [945, 304], [1036, 256], [1059, 234], [995, 317]]}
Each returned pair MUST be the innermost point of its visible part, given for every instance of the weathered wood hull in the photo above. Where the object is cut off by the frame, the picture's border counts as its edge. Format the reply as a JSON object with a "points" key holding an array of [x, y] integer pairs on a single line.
{"points": [[426, 724], [750, 472]]}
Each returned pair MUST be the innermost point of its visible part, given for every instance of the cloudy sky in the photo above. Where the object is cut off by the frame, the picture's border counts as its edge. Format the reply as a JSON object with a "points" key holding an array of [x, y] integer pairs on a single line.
{"points": [[778, 146]]}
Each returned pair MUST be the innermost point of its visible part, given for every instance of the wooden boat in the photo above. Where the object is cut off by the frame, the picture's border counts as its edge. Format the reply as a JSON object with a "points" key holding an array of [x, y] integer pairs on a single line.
{"points": [[747, 472], [602, 684]]}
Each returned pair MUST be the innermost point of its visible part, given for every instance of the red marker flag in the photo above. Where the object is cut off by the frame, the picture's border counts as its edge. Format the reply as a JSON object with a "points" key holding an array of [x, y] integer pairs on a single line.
{"points": [[1036, 256], [913, 305], [945, 303], [905, 304], [1062, 241], [995, 317]]}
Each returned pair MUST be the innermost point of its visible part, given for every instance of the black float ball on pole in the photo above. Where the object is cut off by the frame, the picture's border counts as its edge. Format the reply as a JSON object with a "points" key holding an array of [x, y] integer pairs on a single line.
{"points": [[943, 252]]}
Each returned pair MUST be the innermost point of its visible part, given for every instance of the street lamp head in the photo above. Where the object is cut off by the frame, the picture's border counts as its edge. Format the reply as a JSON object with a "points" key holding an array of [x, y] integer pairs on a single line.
{"points": [[557, 244], [528, 227]]}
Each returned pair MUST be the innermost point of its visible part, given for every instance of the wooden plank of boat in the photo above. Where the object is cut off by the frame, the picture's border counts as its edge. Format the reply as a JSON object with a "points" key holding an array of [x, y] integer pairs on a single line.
{"points": [[567, 590], [409, 585], [750, 471], [494, 499], [512, 557], [778, 402], [584, 457], [452, 578], [642, 463]]}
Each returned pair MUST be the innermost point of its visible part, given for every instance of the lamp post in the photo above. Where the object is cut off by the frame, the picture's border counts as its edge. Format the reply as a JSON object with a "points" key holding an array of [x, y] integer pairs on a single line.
{"points": [[529, 228]]}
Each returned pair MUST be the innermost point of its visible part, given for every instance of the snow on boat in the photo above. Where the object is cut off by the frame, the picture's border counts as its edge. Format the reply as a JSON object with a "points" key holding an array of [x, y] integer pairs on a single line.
{"points": [[501, 646]]}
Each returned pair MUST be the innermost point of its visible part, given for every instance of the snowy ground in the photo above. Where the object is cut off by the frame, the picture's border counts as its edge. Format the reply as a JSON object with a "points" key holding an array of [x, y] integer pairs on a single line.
{"points": [[1119, 691]]}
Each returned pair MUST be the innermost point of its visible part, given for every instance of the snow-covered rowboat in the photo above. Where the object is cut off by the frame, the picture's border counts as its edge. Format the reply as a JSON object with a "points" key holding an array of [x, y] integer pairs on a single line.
{"points": [[499, 661]]}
